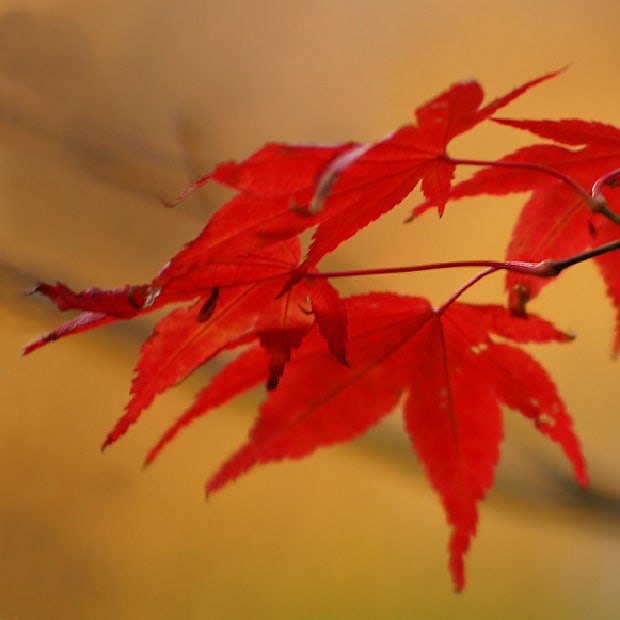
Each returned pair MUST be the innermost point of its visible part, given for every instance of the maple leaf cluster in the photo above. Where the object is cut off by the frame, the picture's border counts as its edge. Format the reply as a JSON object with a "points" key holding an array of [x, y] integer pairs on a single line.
{"points": [[332, 366]]}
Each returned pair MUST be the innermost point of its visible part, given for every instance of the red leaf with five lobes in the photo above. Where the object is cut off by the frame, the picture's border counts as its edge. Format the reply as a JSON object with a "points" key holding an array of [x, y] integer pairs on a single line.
{"points": [[221, 317], [453, 373], [368, 180]]}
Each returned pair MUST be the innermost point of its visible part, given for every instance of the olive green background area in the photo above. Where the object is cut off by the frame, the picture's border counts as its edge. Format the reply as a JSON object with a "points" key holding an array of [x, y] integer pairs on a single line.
{"points": [[107, 107]]}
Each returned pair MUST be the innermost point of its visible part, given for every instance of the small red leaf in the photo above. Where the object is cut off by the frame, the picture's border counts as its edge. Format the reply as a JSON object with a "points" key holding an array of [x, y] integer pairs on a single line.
{"points": [[449, 367]]}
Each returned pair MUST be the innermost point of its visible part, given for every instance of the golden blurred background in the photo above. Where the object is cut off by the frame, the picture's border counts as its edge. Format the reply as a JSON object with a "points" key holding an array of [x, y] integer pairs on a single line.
{"points": [[107, 107]]}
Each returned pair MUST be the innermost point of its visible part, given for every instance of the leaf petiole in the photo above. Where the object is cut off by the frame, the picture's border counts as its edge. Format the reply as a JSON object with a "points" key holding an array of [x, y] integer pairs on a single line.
{"points": [[595, 201], [482, 274], [592, 203], [611, 179]]}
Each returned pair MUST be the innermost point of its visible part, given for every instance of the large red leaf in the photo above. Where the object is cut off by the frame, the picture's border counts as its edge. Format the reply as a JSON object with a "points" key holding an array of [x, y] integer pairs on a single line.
{"points": [[455, 376], [247, 306], [366, 181]]}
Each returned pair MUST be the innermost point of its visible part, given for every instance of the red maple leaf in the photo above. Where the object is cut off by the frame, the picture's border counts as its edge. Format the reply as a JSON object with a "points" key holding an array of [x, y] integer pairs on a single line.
{"points": [[575, 228], [245, 307], [555, 222], [454, 376], [368, 180]]}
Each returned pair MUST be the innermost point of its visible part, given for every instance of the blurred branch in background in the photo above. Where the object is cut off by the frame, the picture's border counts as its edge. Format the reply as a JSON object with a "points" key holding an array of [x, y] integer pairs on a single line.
{"points": [[48, 83], [27, 123], [526, 480]]}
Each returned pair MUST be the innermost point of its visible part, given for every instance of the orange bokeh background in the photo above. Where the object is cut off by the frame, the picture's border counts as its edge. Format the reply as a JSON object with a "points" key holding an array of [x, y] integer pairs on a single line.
{"points": [[107, 107]]}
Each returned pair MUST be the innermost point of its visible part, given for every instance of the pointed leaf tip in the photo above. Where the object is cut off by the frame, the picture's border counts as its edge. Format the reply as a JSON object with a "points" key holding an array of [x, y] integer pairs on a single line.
{"points": [[331, 318]]}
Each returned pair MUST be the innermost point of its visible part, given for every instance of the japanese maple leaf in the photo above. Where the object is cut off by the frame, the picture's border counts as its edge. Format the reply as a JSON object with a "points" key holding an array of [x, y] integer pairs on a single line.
{"points": [[555, 222], [218, 318], [453, 375], [368, 180]]}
